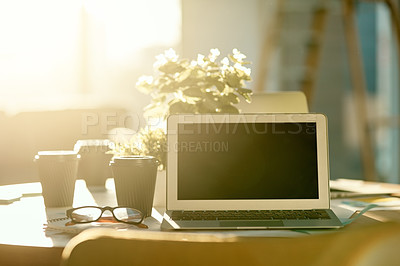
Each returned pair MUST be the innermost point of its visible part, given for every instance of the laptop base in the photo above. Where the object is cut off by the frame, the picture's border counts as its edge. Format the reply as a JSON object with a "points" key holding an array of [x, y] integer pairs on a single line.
{"points": [[170, 224]]}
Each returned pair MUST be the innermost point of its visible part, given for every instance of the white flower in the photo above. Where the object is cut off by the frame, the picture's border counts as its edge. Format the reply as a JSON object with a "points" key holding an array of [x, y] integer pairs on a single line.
{"points": [[238, 55], [171, 55], [246, 70], [200, 59], [145, 80], [225, 61], [168, 55], [214, 53], [161, 60]]}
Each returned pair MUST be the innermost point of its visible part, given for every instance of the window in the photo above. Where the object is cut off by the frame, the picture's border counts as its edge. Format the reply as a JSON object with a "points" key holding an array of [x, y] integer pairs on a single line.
{"points": [[63, 54]]}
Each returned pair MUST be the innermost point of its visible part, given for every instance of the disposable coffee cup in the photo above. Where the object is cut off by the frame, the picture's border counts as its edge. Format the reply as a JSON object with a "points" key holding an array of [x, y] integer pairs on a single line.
{"points": [[94, 163], [135, 180], [57, 174]]}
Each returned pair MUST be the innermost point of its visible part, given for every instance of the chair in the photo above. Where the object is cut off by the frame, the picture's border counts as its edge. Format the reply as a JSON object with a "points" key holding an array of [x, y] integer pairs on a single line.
{"points": [[276, 102], [360, 246]]}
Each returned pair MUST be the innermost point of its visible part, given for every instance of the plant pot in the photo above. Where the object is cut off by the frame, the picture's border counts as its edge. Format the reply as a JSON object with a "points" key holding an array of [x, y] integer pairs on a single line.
{"points": [[160, 193]]}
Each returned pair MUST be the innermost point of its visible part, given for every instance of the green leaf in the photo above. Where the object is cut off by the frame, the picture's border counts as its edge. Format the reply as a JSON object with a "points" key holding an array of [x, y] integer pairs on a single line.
{"points": [[234, 60], [188, 82], [246, 93], [247, 97], [159, 99], [162, 80], [211, 104], [171, 68], [183, 75], [181, 108], [229, 109], [168, 87], [193, 92], [210, 95], [230, 98], [243, 90], [144, 89], [205, 108], [198, 73], [214, 81], [233, 80]]}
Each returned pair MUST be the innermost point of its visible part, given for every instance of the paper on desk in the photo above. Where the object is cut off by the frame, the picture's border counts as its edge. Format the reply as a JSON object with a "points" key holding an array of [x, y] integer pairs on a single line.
{"points": [[343, 212], [383, 203], [12, 193], [361, 186]]}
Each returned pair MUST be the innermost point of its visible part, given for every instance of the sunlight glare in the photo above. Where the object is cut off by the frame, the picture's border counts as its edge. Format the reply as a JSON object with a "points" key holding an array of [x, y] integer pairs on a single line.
{"points": [[55, 50], [133, 25], [35, 36]]}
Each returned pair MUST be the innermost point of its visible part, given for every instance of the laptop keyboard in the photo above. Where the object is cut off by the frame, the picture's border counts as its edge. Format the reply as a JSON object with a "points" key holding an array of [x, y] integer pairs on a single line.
{"points": [[250, 215]]}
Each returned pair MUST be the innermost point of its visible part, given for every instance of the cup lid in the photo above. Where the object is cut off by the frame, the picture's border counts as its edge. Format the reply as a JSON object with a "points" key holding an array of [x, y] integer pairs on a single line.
{"points": [[58, 154], [91, 142], [134, 159]]}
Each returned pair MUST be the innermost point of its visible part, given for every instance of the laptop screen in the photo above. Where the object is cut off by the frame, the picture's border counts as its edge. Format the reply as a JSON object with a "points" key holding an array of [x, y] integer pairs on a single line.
{"points": [[230, 161]]}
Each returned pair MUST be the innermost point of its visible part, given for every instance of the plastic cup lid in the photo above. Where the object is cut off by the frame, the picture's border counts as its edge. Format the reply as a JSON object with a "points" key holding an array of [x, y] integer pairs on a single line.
{"points": [[59, 154], [134, 159], [91, 142]]}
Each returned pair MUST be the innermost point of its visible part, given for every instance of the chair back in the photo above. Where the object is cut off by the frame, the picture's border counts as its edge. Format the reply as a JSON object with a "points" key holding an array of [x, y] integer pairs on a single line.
{"points": [[276, 102], [360, 247]]}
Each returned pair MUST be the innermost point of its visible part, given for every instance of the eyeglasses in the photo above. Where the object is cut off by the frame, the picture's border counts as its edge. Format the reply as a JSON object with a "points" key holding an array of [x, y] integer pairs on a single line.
{"points": [[88, 214]]}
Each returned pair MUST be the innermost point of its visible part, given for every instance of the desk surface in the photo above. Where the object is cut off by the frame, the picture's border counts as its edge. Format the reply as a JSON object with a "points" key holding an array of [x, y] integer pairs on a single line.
{"points": [[21, 226], [23, 221]]}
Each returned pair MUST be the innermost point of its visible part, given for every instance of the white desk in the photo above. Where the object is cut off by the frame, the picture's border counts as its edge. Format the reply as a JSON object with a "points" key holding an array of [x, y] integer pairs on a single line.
{"points": [[22, 230]]}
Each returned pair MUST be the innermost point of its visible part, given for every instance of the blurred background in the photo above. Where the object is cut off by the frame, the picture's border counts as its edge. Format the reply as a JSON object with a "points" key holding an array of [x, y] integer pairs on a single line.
{"points": [[68, 68]]}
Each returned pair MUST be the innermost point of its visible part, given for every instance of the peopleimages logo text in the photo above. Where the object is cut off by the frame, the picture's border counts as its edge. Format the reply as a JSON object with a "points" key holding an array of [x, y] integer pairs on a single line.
{"points": [[202, 146]]}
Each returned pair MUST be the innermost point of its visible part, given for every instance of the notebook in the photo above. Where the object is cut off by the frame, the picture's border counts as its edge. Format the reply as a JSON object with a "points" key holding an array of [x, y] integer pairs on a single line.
{"points": [[248, 171]]}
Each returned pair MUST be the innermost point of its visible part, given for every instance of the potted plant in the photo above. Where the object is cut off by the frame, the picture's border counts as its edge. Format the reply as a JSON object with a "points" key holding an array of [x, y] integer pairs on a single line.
{"points": [[204, 85]]}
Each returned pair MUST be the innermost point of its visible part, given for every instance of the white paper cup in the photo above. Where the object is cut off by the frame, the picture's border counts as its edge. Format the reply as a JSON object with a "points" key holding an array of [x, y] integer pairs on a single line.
{"points": [[94, 163], [57, 173], [135, 180]]}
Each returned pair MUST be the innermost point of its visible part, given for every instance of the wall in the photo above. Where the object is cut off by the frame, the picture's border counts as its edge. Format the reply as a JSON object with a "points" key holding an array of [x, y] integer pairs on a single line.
{"points": [[243, 24]]}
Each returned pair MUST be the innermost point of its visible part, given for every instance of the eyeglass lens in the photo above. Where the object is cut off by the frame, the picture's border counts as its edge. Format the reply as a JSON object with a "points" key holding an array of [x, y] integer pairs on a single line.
{"points": [[90, 214], [84, 215], [127, 215]]}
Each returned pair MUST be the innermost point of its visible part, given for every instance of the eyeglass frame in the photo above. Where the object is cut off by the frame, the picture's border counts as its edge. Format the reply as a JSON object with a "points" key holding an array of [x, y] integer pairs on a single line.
{"points": [[103, 209]]}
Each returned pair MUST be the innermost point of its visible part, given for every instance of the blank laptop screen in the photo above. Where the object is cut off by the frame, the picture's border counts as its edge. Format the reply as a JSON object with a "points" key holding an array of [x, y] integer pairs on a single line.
{"points": [[230, 161]]}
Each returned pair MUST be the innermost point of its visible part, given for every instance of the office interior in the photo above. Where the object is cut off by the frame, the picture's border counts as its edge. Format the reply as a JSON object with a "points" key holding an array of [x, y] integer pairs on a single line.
{"points": [[69, 68]]}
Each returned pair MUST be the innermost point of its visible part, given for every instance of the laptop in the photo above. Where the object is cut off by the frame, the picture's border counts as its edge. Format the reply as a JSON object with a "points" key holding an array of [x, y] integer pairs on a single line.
{"points": [[248, 171]]}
